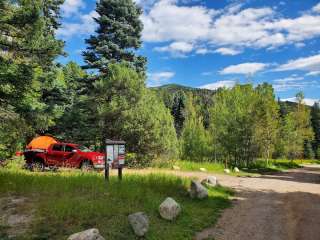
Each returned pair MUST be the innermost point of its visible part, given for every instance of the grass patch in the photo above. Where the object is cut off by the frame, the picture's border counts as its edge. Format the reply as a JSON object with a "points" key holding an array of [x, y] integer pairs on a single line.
{"points": [[69, 202]]}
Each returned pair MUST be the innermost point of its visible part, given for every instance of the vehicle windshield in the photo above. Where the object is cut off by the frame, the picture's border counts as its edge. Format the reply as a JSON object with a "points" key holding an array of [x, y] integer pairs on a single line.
{"points": [[83, 148]]}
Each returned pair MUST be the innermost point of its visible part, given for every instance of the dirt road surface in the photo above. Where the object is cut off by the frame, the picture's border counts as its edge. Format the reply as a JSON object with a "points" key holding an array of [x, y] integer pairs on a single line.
{"points": [[282, 206]]}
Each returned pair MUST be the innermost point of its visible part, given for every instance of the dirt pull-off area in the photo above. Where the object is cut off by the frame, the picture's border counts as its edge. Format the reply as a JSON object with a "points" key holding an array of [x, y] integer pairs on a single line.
{"points": [[15, 216], [284, 206]]}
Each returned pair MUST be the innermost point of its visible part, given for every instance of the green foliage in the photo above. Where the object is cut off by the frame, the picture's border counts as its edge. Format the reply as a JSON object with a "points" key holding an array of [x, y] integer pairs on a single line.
{"points": [[128, 110], [195, 140], [118, 35], [308, 151], [315, 120], [233, 121]]}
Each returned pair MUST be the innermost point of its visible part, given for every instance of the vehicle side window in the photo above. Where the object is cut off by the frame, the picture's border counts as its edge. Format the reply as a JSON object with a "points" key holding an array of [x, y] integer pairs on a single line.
{"points": [[68, 148], [57, 147]]}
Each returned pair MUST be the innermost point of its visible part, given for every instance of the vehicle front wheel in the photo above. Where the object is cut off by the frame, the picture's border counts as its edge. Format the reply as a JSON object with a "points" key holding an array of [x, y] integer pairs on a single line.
{"points": [[38, 166], [86, 166]]}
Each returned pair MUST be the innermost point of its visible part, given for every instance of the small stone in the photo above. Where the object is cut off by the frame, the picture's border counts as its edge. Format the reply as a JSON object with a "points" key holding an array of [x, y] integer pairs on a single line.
{"points": [[227, 171], [197, 190], [236, 170], [210, 181], [169, 209], [203, 169], [175, 167], [139, 222], [90, 234]]}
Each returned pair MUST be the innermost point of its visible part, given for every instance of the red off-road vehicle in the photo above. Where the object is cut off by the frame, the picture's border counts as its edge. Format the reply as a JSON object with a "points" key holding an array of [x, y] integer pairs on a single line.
{"points": [[63, 155]]}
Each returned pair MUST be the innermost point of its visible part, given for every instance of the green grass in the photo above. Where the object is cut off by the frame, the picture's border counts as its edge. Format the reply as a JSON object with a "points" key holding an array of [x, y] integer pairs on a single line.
{"points": [[68, 202], [257, 167]]}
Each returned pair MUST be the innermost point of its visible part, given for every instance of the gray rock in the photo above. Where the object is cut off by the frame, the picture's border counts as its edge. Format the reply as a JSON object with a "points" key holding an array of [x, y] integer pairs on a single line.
{"points": [[139, 222], [175, 167], [227, 171], [169, 209], [90, 234], [210, 181], [236, 170], [197, 190]]}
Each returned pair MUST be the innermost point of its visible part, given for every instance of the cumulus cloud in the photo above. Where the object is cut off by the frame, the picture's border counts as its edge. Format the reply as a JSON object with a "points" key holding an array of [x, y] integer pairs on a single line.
{"points": [[303, 64], [85, 26], [307, 101], [231, 28], [316, 8], [227, 51], [71, 7], [219, 84], [244, 68], [176, 48], [313, 73], [293, 82], [159, 78]]}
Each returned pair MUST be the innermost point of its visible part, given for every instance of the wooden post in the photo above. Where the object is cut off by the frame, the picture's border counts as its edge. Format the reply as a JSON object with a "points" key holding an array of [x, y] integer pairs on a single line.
{"points": [[106, 170], [120, 172]]}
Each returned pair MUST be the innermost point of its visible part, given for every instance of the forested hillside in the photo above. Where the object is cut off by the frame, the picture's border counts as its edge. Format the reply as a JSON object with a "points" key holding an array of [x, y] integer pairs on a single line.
{"points": [[40, 96]]}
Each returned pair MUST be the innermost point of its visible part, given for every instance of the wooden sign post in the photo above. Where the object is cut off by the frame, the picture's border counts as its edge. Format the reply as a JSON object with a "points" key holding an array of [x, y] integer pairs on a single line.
{"points": [[114, 157]]}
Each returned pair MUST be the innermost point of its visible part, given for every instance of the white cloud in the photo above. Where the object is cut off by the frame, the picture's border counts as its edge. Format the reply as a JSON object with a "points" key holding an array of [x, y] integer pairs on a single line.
{"points": [[307, 101], [230, 28], [176, 48], [244, 68], [227, 51], [159, 78], [219, 84], [293, 82], [168, 22], [313, 73], [86, 26], [303, 64], [71, 7], [316, 8], [206, 73]]}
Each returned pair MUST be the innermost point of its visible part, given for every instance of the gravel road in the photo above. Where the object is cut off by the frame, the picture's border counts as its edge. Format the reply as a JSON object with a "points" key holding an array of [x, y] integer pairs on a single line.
{"points": [[283, 206]]}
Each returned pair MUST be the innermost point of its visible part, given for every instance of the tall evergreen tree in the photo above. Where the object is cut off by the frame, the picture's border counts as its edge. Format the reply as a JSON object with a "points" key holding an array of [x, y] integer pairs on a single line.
{"points": [[178, 110], [315, 120], [118, 35]]}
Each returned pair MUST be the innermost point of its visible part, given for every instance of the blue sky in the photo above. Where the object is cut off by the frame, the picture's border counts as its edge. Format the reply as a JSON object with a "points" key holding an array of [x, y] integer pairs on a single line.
{"points": [[215, 43]]}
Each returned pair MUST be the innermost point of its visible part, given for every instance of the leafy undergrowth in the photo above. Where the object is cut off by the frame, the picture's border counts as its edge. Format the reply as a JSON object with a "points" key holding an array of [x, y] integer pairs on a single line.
{"points": [[261, 166], [68, 202]]}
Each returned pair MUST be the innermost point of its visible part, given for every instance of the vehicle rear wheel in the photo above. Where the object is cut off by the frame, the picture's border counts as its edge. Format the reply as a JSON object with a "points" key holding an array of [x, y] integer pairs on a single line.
{"points": [[86, 166]]}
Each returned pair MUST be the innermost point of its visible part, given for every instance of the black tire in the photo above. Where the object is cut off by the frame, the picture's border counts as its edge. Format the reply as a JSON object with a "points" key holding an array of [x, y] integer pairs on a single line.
{"points": [[38, 165], [86, 166]]}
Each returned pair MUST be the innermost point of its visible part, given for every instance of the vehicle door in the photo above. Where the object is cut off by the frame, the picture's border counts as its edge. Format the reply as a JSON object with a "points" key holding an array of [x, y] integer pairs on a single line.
{"points": [[56, 155], [70, 156]]}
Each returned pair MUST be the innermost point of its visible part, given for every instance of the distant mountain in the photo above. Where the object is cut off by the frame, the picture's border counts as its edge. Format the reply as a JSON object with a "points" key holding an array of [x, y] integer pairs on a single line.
{"points": [[173, 88]]}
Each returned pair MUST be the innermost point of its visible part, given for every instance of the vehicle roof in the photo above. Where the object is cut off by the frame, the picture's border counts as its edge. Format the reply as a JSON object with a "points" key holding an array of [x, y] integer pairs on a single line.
{"points": [[70, 144]]}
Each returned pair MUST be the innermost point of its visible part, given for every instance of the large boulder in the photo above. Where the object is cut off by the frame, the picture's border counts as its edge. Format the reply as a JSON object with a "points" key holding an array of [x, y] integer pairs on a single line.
{"points": [[90, 234], [236, 170], [227, 171], [139, 222], [197, 190], [174, 167], [210, 181], [169, 209]]}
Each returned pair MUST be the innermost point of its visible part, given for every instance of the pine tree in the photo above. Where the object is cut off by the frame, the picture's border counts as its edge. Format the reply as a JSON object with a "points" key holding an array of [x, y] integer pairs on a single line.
{"points": [[178, 110], [315, 119], [118, 35]]}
